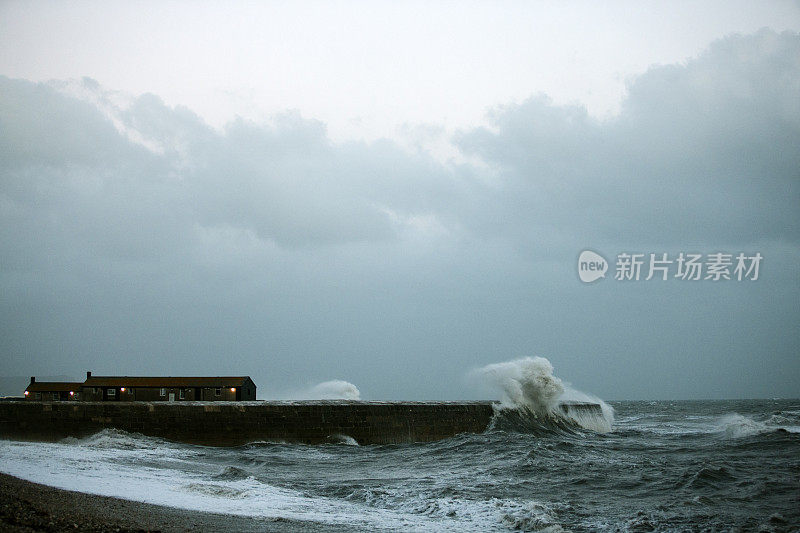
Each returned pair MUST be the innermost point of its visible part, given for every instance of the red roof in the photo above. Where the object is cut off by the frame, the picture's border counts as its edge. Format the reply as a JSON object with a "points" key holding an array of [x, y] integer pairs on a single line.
{"points": [[166, 381]]}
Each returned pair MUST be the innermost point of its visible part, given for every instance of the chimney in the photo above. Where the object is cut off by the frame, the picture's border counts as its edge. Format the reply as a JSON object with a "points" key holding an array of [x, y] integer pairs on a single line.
{"points": [[88, 374], [33, 379]]}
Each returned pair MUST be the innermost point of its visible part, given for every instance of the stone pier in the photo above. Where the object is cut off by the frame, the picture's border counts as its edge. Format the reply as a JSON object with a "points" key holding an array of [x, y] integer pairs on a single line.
{"points": [[237, 423]]}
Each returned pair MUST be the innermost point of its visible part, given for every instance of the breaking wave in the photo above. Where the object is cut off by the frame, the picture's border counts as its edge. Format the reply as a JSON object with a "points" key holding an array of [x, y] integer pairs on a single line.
{"points": [[336, 389], [536, 400], [736, 426], [343, 439], [117, 439]]}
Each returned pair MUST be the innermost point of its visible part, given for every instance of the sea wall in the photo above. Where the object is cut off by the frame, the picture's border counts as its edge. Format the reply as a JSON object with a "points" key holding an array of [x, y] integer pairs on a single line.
{"points": [[236, 423]]}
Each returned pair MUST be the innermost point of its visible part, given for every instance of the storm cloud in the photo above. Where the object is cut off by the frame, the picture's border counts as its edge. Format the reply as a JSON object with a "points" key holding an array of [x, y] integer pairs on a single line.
{"points": [[136, 239]]}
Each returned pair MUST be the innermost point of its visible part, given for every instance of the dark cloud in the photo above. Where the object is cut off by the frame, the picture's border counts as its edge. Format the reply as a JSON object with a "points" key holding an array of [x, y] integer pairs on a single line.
{"points": [[701, 153], [137, 239]]}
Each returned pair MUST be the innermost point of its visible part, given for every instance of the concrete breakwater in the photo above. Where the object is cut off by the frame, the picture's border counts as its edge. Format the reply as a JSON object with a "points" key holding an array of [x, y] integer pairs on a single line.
{"points": [[237, 423]]}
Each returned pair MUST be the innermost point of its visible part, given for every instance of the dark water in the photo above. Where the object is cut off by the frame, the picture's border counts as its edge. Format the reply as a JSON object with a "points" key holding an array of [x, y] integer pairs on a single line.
{"points": [[666, 466]]}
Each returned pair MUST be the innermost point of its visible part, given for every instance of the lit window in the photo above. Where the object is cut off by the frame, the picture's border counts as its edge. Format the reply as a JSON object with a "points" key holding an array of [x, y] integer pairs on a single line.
{"points": [[112, 392]]}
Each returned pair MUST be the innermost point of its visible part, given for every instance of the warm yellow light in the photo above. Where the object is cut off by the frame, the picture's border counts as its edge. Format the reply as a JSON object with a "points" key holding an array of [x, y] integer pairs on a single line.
{"points": [[233, 389], [26, 393], [122, 389], [71, 393]]}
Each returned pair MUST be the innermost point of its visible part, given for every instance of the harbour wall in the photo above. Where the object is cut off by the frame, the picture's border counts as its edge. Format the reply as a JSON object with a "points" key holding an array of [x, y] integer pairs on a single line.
{"points": [[237, 423]]}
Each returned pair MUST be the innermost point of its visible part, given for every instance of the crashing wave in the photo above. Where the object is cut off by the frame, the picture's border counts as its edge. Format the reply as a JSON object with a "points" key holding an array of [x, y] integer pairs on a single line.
{"points": [[535, 400]]}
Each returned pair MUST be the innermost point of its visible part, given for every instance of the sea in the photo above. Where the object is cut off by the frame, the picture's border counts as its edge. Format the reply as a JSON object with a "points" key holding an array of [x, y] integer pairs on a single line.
{"points": [[647, 466]]}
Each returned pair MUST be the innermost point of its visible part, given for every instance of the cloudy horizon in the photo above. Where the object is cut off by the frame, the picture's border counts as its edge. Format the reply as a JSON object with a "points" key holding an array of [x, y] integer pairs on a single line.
{"points": [[143, 235]]}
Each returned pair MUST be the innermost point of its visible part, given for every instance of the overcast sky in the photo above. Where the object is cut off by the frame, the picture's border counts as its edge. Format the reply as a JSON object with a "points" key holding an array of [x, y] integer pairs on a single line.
{"points": [[394, 194]]}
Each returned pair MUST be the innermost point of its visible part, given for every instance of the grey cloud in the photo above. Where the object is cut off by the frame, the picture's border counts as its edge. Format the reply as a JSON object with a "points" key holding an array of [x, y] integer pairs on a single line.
{"points": [[138, 239], [702, 152], [285, 181]]}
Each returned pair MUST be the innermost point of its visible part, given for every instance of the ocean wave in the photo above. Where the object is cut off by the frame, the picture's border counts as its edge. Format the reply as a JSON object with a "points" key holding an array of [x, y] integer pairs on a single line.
{"points": [[343, 439], [116, 439], [452, 513], [536, 401], [216, 491], [709, 477], [675, 464], [513, 419], [736, 426], [231, 473], [534, 516]]}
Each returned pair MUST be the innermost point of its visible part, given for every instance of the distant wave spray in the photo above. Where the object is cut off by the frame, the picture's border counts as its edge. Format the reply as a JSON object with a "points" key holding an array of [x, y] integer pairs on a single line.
{"points": [[332, 390]]}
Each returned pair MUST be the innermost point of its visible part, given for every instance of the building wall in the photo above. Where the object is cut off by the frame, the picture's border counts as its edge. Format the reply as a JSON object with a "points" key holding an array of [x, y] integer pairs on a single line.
{"points": [[231, 424], [178, 394], [47, 396]]}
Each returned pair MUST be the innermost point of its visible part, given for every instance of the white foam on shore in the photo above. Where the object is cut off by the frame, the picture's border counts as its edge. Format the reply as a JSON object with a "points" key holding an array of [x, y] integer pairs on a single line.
{"points": [[173, 479], [134, 467]]}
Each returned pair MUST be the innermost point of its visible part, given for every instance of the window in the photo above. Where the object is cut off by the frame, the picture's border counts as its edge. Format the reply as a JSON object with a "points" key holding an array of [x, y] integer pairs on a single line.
{"points": [[182, 394], [217, 391], [38, 395], [112, 393], [163, 392]]}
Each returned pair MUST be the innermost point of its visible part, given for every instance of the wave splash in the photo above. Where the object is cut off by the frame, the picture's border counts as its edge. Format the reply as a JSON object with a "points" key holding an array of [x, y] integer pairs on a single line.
{"points": [[533, 396], [118, 439], [736, 426], [335, 389]]}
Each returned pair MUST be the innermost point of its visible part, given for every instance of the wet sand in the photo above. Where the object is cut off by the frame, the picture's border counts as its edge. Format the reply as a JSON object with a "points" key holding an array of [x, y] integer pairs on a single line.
{"points": [[26, 506]]}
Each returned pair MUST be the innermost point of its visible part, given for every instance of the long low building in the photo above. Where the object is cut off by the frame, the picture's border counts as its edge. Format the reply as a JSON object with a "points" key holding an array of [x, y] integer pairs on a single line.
{"points": [[145, 388]]}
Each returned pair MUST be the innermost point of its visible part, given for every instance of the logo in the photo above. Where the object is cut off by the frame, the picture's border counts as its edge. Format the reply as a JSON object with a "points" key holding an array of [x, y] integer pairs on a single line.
{"points": [[591, 266], [663, 266]]}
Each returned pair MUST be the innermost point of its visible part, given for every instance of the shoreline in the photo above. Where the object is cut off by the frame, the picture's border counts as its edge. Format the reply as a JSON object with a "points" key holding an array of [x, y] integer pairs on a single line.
{"points": [[26, 506]]}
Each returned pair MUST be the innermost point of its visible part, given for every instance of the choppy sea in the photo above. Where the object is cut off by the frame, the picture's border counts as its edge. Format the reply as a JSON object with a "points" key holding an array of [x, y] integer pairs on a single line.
{"points": [[665, 466]]}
